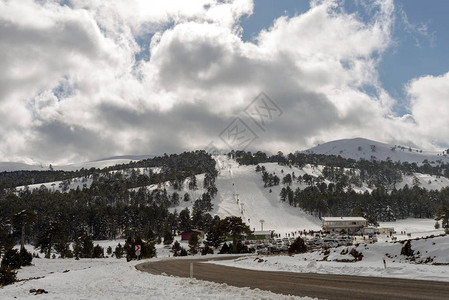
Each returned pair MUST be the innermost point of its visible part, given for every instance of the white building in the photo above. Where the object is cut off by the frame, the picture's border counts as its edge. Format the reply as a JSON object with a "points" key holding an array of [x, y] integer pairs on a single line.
{"points": [[347, 224]]}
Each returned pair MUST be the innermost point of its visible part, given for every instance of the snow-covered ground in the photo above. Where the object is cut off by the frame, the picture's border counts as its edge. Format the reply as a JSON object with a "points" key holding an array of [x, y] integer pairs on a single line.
{"points": [[112, 278], [54, 186], [436, 250], [415, 227]]}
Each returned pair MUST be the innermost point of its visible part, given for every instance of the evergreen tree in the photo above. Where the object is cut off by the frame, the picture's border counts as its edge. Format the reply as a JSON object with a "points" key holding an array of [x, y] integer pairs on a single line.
{"points": [[51, 235], [175, 199], [443, 215], [26, 257], [7, 276], [12, 259], [186, 197], [193, 243], [184, 219], [176, 248], [298, 246], [233, 227], [21, 219], [118, 251], [192, 183], [168, 237], [87, 246], [98, 252], [225, 249], [183, 252]]}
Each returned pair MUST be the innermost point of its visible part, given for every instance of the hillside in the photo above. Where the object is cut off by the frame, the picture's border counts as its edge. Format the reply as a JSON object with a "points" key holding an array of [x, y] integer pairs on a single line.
{"points": [[255, 202], [360, 148]]}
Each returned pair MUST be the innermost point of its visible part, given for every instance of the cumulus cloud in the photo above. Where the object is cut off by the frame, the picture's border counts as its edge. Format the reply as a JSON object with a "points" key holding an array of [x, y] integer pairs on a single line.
{"points": [[74, 88], [429, 97]]}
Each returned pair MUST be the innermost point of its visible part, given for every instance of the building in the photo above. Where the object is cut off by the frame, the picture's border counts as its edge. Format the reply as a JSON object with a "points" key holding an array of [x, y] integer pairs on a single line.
{"points": [[261, 235], [379, 230], [346, 224], [185, 236]]}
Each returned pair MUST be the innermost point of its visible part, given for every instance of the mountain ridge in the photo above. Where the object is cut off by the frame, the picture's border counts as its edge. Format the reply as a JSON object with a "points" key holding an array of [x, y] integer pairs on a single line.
{"points": [[361, 148]]}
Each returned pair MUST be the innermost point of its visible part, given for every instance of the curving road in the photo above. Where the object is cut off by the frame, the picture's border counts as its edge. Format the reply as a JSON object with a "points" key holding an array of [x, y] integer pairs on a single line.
{"points": [[322, 286]]}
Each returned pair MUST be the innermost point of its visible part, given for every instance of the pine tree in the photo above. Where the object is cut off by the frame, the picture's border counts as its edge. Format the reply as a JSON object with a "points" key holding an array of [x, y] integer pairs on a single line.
{"points": [[21, 219], [443, 215], [168, 237], [298, 246], [186, 197], [98, 252], [11, 259], [184, 219], [176, 248], [193, 243], [192, 183], [118, 251], [233, 227]]}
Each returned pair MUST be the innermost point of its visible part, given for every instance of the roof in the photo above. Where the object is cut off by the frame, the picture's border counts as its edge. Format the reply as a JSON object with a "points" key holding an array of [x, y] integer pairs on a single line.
{"points": [[193, 230], [344, 219], [265, 232]]}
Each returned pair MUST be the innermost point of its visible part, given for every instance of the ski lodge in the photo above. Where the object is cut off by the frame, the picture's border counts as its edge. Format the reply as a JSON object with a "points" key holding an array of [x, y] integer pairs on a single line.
{"points": [[347, 224]]}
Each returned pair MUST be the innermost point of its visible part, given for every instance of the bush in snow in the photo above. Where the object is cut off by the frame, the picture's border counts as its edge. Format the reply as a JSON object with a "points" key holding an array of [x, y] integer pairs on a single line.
{"points": [[407, 249], [11, 259], [98, 252], [118, 251], [298, 246], [26, 257], [207, 250], [7, 276], [176, 248]]}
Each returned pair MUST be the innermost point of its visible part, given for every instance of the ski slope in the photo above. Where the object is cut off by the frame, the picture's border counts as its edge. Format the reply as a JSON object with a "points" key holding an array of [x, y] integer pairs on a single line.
{"points": [[241, 193]]}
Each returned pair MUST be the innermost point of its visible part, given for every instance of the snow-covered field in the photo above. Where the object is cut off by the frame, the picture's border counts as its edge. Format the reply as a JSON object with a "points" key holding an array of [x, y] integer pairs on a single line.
{"points": [[416, 227], [435, 250], [112, 278]]}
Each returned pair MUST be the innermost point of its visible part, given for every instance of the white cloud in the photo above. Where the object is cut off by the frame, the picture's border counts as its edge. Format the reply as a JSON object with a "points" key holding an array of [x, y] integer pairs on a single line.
{"points": [[73, 90], [429, 96]]}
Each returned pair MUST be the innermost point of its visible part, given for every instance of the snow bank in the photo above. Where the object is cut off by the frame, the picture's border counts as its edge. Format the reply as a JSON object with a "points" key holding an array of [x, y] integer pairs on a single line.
{"points": [[434, 250], [116, 279]]}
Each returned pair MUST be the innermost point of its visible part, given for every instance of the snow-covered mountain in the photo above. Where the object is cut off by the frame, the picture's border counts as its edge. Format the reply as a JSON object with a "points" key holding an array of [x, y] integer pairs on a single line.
{"points": [[360, 148]]}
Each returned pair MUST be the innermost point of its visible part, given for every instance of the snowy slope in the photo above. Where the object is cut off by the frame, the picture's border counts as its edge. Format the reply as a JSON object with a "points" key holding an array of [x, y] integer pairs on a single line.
{"points": [[258, 203], [366, 149]]}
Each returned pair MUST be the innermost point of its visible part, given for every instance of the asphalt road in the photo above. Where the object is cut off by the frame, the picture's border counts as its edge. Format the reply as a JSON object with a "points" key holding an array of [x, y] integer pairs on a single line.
{"points": [[321, 286]]}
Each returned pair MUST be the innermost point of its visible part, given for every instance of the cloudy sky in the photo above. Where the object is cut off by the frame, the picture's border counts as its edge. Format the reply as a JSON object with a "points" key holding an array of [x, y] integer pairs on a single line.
{"points": [[85, 79]]}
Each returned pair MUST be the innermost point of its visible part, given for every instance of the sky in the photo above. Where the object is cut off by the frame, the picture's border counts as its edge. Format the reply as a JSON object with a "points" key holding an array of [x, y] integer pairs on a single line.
{"points": [[82, 80]]}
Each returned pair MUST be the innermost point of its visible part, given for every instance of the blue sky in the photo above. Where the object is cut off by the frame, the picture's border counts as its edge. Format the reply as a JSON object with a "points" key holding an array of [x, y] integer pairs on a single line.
{"points": [[414, 53]]}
